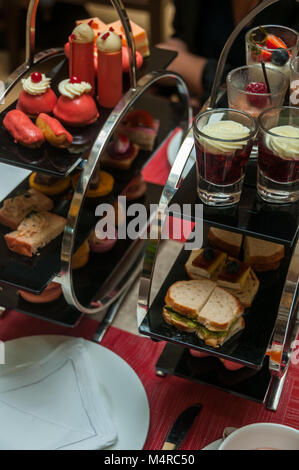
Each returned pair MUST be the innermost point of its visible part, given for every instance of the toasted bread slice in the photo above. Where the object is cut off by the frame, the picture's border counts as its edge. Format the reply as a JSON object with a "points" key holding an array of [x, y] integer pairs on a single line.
{"points": [[220, 311], [34, 232], [224, 240], [262, 255], [208, 271], [15, 209], [189, 297]]}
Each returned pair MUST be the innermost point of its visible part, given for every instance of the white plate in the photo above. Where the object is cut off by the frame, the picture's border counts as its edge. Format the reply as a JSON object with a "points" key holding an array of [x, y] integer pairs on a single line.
{"points": [[125, 393], [172, 150], [213, 446], [11, 176]]}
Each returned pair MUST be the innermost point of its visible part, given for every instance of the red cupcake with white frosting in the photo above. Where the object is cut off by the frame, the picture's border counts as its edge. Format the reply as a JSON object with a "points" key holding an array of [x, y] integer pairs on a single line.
{"points": [[75, 107], [37, 96]]}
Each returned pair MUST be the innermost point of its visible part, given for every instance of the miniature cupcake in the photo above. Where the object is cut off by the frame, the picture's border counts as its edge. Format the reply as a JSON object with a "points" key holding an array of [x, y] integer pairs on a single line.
{"points": [[75, 107], [36, 96], [136, 188]]}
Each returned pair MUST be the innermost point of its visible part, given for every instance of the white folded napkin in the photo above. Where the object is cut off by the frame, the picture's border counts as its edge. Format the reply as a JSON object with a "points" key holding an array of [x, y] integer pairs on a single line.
{"points": [[56, 403]]}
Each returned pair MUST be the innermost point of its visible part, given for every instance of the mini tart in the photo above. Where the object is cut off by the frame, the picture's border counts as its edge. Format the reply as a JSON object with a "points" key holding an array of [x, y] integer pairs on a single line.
{"points": [[54, 132], [58, 187], [105, 186], [120, 153], [75, 107], [36, 96], [81, 256], [101, 246], [51, 293], [136, 189]]}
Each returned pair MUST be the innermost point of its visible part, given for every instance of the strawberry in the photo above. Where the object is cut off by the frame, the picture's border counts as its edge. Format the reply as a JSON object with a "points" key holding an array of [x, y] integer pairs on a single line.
{"points": [[274, 42]]}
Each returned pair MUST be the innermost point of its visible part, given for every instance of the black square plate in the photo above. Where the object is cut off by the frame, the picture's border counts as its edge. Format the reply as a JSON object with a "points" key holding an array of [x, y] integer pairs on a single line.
{"points": [[247, 347]]}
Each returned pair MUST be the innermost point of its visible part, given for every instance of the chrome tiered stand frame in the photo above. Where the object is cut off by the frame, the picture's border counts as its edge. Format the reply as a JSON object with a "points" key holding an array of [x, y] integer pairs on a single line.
{"points": [[130, 266], [286, 326]]}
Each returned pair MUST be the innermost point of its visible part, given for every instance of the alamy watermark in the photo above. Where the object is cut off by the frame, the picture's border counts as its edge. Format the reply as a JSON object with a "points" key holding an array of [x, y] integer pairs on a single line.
{"points": [[294, 92], [139, 222]]}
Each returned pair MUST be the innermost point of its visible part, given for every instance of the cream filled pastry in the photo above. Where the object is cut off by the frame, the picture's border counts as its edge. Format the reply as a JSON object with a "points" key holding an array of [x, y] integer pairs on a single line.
{"points": [[284, 142], [75, 107], [231, 134], [37, 96]]}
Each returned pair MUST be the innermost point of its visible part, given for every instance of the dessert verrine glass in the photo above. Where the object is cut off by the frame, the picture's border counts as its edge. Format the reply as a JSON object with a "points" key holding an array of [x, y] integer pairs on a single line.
{"points": [[248, 92], [273, 44], [278, 155], [223, 142]]}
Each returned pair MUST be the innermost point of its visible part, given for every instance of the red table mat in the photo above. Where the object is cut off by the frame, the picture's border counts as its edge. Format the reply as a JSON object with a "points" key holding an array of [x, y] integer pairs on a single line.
{"points": [[168, 396]]}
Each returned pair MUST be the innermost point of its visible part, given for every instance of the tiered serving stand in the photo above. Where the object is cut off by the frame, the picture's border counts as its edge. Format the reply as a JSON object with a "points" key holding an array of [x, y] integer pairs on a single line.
{"points": [[101, 282], [266, 345]]}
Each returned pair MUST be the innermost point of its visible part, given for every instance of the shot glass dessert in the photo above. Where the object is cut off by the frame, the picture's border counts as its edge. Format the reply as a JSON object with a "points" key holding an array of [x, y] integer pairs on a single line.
{"points": [[109, 69], [223, 142], [278, 155], [81, 54], [275, 45]]}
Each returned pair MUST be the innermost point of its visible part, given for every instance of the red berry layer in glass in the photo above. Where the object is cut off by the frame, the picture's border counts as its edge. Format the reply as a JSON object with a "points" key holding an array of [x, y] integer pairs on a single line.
{"points": [[276, 168], [222, 169]]}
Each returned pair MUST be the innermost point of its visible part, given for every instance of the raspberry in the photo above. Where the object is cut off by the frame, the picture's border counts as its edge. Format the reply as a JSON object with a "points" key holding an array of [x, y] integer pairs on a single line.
{"points": [[257, 88], [36, 77]]}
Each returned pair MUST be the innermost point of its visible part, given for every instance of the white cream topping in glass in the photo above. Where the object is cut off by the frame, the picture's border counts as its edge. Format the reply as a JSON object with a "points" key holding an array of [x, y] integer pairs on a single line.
{"points": [[226, 130], [83, 34], [287, 145], [39, 88], [109, 42], [73, 90]]}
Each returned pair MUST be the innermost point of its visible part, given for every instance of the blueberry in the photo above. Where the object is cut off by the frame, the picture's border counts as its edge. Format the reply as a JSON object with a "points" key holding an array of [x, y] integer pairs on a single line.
{"points": [[232, 267], [280, 57], [208, 254]]}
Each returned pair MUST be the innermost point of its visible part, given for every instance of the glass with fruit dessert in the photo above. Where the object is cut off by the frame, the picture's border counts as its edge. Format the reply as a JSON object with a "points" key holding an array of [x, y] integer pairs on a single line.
{"points": [[247, 90], [223, 143], [272, 44], [278, 155], [294, 82]]}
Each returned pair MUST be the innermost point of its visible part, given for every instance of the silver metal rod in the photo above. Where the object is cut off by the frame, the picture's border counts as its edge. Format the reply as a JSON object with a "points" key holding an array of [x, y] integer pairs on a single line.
{"points": [[275, 391], [93, 161], [30, 31], [119, 7]]}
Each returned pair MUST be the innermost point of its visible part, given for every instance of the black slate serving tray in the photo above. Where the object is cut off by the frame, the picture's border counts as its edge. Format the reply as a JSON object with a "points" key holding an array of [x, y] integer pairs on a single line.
{"points": [[249, 346], [60, 162]]}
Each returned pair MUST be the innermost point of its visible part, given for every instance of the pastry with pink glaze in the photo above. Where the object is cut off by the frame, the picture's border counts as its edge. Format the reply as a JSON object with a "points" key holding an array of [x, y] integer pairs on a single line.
{"points": [[75, 107], [36, 96]]}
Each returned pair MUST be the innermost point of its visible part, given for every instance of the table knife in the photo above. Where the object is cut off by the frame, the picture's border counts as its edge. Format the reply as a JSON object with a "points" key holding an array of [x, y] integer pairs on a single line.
{"points": [[181, 427]]}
